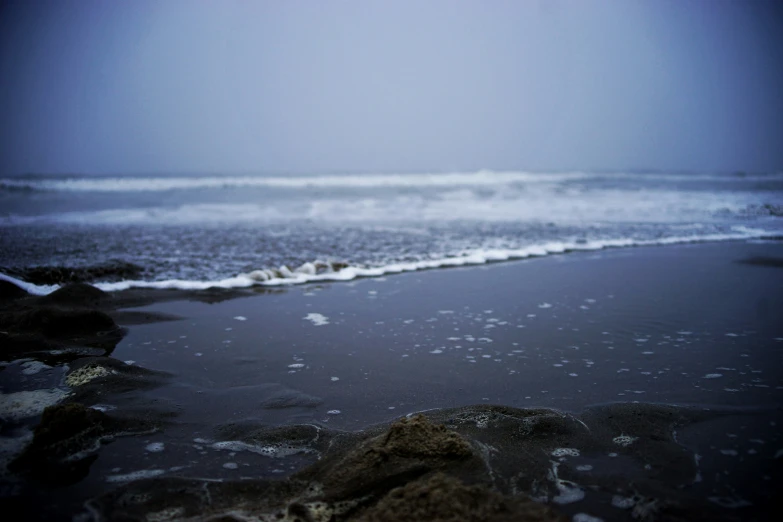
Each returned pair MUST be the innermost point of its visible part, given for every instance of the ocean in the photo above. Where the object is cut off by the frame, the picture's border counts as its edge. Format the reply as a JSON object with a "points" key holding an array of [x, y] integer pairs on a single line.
{"points": [[626, 366], [200, 231]]}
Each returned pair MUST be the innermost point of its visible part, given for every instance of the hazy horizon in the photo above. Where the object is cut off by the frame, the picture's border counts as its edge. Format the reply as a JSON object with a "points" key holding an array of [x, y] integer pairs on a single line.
{"points": [[239, 88]]}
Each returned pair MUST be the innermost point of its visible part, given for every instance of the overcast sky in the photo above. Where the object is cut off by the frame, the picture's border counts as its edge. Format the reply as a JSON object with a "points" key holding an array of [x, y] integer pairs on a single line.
{"points": [[184, 86]]}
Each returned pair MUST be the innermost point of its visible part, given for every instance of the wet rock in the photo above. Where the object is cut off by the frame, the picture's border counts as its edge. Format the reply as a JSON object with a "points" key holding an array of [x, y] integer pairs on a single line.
{"points": [[471, 463], [66, 440], [280, 440], [63, 322], [55, 275], [409, 449], [93, 379], [192, 499], [10, 292], [287, 398], [58, 323], [135, 317], [645, 432], [354, 475], [16, 345], [771, 262], [16, 406], [76, 295], [442, 498]]}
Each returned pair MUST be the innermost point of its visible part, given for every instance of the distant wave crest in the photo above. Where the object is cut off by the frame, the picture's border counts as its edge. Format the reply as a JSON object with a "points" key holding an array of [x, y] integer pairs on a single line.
{"points": [[164, 183], [452, 179]]}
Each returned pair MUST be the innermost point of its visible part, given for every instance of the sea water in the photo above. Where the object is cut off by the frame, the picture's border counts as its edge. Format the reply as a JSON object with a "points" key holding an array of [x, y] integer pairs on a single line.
{"points": [[200, 231]]}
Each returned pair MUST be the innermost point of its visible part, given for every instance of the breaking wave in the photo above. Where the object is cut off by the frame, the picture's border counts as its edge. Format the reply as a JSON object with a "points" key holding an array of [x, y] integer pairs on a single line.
{"points": [[319, 271], [412, 180]]}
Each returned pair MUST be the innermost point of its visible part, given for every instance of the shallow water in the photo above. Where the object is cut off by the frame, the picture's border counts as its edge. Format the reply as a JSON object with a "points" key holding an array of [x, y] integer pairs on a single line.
{"points": [[687, 325]]}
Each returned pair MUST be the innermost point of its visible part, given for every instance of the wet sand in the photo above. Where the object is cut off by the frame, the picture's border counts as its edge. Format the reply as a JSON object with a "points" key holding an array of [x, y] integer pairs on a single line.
{"points": [[695, 326]]}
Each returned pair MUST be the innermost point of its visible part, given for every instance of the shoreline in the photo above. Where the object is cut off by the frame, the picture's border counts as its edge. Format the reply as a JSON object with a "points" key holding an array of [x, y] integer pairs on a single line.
{"points": [[330, 272], [562, 333]]}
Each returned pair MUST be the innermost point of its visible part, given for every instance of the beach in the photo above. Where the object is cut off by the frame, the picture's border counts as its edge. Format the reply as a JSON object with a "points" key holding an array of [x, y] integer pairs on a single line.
{"points": [[391, 261], [693, 328]]}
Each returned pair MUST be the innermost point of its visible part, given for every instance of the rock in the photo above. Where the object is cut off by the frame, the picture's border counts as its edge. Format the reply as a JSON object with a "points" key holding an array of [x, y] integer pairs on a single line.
{"points": [[15, 346], [55, 275], [92, 379], [291, 399], [76, 294], [409, 449], [471, 463], [417, 437], [59, 323], [66, 440], [441, 498], [10, 292], [85, 374]]}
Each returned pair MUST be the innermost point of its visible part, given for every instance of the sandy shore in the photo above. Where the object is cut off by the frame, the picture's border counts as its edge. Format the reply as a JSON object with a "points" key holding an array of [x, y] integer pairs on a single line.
{"points": [[696, 326]]}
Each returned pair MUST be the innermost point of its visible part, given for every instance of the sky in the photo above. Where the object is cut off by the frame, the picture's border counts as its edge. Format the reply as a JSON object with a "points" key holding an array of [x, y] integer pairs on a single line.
{"points": [[90, 86]]}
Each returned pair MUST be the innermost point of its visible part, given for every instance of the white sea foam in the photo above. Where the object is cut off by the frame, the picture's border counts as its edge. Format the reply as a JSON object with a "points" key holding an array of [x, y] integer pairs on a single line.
{"points": [[135, 475], [23, 404], [414, 198], [361, 180], [29, 287], [157, 184], [317, 319], [284, 276]]}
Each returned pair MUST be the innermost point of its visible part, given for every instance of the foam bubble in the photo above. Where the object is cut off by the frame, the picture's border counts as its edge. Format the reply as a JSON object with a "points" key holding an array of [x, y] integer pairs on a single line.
{"points": [[624, 440], [317, 319], [33, 367], [568, 491], [135, 475], [623, 502], [565, 452], [24, 404]]}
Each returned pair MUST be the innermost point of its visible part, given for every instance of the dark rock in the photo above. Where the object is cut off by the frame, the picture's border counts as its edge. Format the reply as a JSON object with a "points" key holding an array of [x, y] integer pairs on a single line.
{"points": [[10, 292], [14, 346], [65, 441], [76, 294], [771, 262], [441, 498], [193, 499], [410, 449], [291, 399], [484, 463], [93, 378], [55, 275], [134, 317], [58, 322]]}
